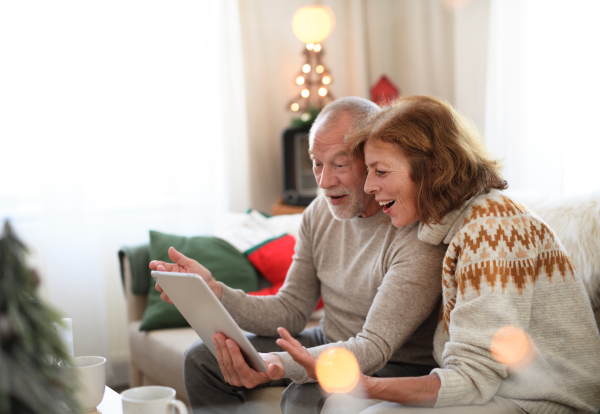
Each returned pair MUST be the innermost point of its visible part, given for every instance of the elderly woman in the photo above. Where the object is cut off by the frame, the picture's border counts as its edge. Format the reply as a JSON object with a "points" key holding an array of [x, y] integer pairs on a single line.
{"points": [[516, 331]]}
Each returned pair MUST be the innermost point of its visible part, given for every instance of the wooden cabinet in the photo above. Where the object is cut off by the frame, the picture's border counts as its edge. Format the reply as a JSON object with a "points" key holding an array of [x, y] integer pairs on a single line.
{"points": [[280, 208]]}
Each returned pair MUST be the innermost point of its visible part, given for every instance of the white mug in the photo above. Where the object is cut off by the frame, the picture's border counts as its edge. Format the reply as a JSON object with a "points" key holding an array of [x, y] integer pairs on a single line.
{"points": [[152, 399], [90, 372]]}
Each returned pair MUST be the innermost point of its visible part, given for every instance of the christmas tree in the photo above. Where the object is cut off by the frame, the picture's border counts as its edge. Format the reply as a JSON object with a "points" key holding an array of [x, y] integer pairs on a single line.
{"points": [[30, 380]]}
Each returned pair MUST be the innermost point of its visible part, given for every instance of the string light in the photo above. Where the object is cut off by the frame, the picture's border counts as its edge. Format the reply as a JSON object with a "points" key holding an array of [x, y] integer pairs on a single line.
{"points": [[312, 25]]}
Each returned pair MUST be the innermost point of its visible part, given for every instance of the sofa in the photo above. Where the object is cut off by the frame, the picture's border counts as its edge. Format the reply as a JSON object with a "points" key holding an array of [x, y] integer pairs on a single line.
{"points": [[156, 357]]}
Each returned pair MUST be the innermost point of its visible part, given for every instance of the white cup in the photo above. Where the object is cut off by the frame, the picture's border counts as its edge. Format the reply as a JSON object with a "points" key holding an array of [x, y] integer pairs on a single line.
{"points": [[90, 372], [153, 399]]}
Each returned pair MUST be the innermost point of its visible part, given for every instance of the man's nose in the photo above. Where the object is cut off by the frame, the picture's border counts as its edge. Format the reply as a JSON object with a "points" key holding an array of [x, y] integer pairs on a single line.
{"points": [[328, 178]]}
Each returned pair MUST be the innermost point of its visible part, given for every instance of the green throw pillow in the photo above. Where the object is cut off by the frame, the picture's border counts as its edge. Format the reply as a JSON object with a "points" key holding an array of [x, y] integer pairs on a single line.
{"points": [[224, 261]]}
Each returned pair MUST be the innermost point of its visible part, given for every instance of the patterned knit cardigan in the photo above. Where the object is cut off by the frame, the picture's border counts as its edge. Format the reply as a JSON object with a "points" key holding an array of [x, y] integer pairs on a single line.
{"points": [[515, 321]]}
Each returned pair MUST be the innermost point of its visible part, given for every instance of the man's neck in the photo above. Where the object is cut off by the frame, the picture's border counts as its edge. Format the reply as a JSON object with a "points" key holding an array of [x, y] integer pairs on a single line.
{"points": [[372, 208]]}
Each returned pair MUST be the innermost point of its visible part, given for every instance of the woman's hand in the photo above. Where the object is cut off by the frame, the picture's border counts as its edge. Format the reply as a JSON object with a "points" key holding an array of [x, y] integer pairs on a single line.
{"points": [[183, 264], [297, 352], [304, 358]]}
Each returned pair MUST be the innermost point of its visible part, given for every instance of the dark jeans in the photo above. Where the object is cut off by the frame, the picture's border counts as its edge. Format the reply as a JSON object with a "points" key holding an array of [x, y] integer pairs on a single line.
{"points": [[204, 383], [209, 393]]}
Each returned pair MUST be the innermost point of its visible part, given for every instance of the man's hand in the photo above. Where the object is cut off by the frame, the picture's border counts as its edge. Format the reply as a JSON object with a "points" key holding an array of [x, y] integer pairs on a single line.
{"points": [[183, 264], [297, 352], [237, 372]]}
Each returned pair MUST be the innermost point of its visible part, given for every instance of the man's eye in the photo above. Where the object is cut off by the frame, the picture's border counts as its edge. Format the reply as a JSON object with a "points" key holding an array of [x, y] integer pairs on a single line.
{"points": [[380, 173]]}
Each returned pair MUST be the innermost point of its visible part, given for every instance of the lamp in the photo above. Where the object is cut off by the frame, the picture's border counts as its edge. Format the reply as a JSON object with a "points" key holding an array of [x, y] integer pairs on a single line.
{"points": [[312, 25]]}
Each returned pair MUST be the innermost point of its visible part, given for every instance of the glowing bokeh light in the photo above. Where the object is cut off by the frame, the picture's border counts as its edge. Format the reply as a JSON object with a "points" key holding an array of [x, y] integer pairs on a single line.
{"points": [[326, 80], [310, 46], [322, 91], [294, 107], [509, 345], [337, 370], [318, 47], [312, 24], [300, 80], [455, 4], [306, 68], [320, 69], [305, 93], [305, 116]]}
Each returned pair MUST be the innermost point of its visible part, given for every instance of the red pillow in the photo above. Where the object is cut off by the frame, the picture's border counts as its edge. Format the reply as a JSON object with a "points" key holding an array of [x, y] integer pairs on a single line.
{"points": [[273, 260]]}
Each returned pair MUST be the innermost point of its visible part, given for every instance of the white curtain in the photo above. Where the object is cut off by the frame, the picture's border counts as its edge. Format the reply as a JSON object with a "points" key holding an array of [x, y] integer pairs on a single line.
{"points": [[116, 117], [542, 94]]}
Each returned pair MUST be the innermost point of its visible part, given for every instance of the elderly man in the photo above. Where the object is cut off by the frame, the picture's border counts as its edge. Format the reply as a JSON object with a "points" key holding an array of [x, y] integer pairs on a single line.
{"points": [[380, 286]]}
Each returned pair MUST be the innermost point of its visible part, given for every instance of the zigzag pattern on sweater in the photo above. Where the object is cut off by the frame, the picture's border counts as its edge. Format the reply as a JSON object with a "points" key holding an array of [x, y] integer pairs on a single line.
{"points": [[500, 244], [520, 272]]}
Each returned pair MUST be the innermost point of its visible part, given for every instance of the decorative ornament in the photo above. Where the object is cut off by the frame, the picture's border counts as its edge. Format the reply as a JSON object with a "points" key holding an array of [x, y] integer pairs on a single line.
{"points": [[384, 91]]}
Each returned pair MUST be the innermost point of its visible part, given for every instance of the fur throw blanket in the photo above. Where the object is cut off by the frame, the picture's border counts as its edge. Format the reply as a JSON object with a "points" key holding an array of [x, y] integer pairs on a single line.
{"points": [[576, 222]]}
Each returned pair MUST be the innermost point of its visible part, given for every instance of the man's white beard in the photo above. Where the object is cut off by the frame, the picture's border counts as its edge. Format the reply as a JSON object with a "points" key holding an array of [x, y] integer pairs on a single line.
{"points": [[351, 208]]}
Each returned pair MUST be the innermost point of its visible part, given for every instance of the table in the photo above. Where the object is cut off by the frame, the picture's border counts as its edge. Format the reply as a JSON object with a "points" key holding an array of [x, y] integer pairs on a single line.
{"points": [[111, 403]]}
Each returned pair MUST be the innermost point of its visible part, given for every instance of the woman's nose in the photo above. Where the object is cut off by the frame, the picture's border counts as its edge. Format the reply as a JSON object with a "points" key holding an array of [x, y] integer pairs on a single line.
{"points": [[370, 187]]}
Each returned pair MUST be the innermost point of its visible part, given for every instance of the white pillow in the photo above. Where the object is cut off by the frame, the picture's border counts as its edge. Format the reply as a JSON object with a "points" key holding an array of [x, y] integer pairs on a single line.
{"points": [[244, 231]]}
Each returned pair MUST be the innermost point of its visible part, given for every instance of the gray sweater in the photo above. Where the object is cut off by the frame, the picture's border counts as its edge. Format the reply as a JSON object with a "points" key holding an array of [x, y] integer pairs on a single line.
{"points": [[380, 287]]}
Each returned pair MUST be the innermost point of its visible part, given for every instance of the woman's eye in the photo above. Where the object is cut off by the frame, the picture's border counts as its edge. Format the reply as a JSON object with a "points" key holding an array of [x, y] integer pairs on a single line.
{"points": [[380, 173]]}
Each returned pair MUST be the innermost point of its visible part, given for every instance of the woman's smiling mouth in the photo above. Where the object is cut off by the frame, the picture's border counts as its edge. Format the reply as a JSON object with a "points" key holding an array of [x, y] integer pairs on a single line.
{"points": [[387, 205]]}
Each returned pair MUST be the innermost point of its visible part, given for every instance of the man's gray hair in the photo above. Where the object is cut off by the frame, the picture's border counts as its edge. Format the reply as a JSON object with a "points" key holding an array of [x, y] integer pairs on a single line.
{"points": [[359, 109]]}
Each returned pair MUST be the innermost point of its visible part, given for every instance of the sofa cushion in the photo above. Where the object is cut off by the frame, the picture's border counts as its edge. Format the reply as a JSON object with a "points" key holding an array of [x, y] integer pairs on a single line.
{"points": [[246, 231], [272, 259], [225, 262]]}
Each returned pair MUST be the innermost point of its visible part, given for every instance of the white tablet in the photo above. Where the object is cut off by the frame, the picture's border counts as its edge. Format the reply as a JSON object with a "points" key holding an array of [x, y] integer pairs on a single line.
{"points": [[205, 313]]}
